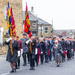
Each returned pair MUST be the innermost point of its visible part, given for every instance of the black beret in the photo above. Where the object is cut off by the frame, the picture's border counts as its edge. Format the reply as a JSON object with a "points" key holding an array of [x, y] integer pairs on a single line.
{"points": [[60, 36], [24, 33]]}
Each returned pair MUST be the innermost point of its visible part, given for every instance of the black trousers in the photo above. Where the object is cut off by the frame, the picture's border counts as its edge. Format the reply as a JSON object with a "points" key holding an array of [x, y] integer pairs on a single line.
{"points": [[42, 58], [32, 61], [24, 58], [69, 54], [28, 56], [18, 62], [46, 57], [36, 59]]}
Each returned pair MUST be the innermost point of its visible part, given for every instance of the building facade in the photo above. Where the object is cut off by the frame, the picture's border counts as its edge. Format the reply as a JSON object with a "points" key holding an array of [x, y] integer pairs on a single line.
{"points": [[17, 11], [38, 26]]}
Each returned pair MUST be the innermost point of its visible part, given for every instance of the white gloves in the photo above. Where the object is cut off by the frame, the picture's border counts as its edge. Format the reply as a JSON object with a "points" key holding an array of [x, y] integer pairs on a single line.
{"points": [[28, 41], [19, 54], [36, 51], [21, 51], [8, 39]]}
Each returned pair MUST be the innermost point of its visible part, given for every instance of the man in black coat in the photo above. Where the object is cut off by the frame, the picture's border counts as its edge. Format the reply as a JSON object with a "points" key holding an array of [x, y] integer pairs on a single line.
{"points": [[47, 49], [32, 45]]}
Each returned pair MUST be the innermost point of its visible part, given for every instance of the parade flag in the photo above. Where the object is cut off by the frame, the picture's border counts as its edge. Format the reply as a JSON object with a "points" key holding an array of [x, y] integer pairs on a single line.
{"points": [[27, 23], [9, 21], [7, 10], [13, 23], [9, 26]]}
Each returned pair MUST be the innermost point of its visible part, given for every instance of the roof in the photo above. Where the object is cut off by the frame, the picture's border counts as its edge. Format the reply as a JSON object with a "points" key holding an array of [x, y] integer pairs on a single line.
{"points": [[34, 18], [31, 17], [40, 22]]}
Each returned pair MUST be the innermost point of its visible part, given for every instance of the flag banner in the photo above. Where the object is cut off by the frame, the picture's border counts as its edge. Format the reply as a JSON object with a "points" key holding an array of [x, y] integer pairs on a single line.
{"points": [[13, 23], [27, 23]]}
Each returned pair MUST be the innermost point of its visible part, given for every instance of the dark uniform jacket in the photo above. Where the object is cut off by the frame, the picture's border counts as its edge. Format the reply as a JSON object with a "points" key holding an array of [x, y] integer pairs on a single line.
{"points": [[16, 47], [25, 46], [68, 45], [33, 46], [41, 46]]}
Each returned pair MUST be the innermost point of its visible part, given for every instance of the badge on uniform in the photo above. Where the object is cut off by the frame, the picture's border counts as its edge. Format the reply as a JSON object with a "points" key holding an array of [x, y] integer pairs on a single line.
{"points": [[32, 43]]}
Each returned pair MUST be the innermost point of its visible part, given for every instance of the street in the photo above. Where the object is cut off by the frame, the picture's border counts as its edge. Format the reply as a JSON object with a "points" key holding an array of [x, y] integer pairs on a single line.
{"points": [[66, 68]]}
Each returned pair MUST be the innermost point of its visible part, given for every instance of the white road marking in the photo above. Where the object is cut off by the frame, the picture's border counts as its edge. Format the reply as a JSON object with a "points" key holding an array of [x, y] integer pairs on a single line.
{"points": [[9, 72]]}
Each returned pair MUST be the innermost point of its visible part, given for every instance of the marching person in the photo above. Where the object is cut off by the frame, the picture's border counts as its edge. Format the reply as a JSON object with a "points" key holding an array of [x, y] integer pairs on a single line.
{"points": [[41, 46], [37, 53], [53, 42], [32, 45], [57, 52], [28, 57], [12, 56], [68, 48], [50, 47], [21, 50], [25, 49], [72, 50], [47, 47]]}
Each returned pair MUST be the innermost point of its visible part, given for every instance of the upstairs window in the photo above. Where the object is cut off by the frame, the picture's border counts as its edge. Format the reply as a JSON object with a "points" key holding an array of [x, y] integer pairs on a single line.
{"points": [[46, 30]]}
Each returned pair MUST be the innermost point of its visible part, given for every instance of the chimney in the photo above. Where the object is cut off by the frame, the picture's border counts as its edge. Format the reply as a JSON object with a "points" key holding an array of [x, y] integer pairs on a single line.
{"points": [[32, 10]]}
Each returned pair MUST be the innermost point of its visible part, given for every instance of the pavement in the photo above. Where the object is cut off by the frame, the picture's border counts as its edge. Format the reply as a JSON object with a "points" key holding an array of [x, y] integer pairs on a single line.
{"points": [[66, 68]]}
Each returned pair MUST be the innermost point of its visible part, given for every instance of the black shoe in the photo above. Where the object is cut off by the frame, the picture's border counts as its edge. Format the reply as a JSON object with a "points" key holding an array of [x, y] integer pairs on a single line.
{"points": [[12, 71], [58, 66], [31, 68]]}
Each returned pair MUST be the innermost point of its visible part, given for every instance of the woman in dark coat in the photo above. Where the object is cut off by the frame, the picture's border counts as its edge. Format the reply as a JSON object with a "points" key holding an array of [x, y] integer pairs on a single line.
{"points": [[41, 46], [57, 49], [12, 58]]}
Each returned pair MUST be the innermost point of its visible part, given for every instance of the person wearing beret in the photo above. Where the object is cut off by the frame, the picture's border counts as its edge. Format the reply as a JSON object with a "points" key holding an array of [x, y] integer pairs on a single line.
{"points": [[25, 49], [12, 57]]}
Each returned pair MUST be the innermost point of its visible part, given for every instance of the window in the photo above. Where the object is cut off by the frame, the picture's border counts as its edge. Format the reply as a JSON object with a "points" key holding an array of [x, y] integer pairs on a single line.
{"points": [[34, 25], [46, 30], [40, 29], [1, 36]]}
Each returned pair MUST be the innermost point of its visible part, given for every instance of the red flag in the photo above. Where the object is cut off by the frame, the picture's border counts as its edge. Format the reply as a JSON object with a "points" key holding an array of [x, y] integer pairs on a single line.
{"points": [[27, 22], [13, 23]]}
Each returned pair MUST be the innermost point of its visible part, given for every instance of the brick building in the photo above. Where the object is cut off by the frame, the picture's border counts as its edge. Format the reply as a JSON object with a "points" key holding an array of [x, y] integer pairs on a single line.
{"points": [[17, 10]]}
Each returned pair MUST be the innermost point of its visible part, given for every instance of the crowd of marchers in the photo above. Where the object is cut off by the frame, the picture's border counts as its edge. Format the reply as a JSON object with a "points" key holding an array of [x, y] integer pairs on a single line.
{"points": [[34, 50]]}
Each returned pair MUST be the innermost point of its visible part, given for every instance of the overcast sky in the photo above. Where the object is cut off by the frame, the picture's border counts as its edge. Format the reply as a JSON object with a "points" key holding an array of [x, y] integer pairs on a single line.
{"points": [[62, 12]]}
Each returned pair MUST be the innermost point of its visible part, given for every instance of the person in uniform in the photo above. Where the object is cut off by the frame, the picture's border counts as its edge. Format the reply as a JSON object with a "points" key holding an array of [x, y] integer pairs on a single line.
{"points": [[32, 44], [68, 48], [25, 49], [50, 47], [12, 56], [72, 50], [47, 47], [21, 50]]}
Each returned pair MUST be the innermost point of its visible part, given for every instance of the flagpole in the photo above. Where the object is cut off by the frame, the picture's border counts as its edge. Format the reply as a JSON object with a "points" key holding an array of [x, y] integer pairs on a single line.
{"points": [[11, 42]]}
